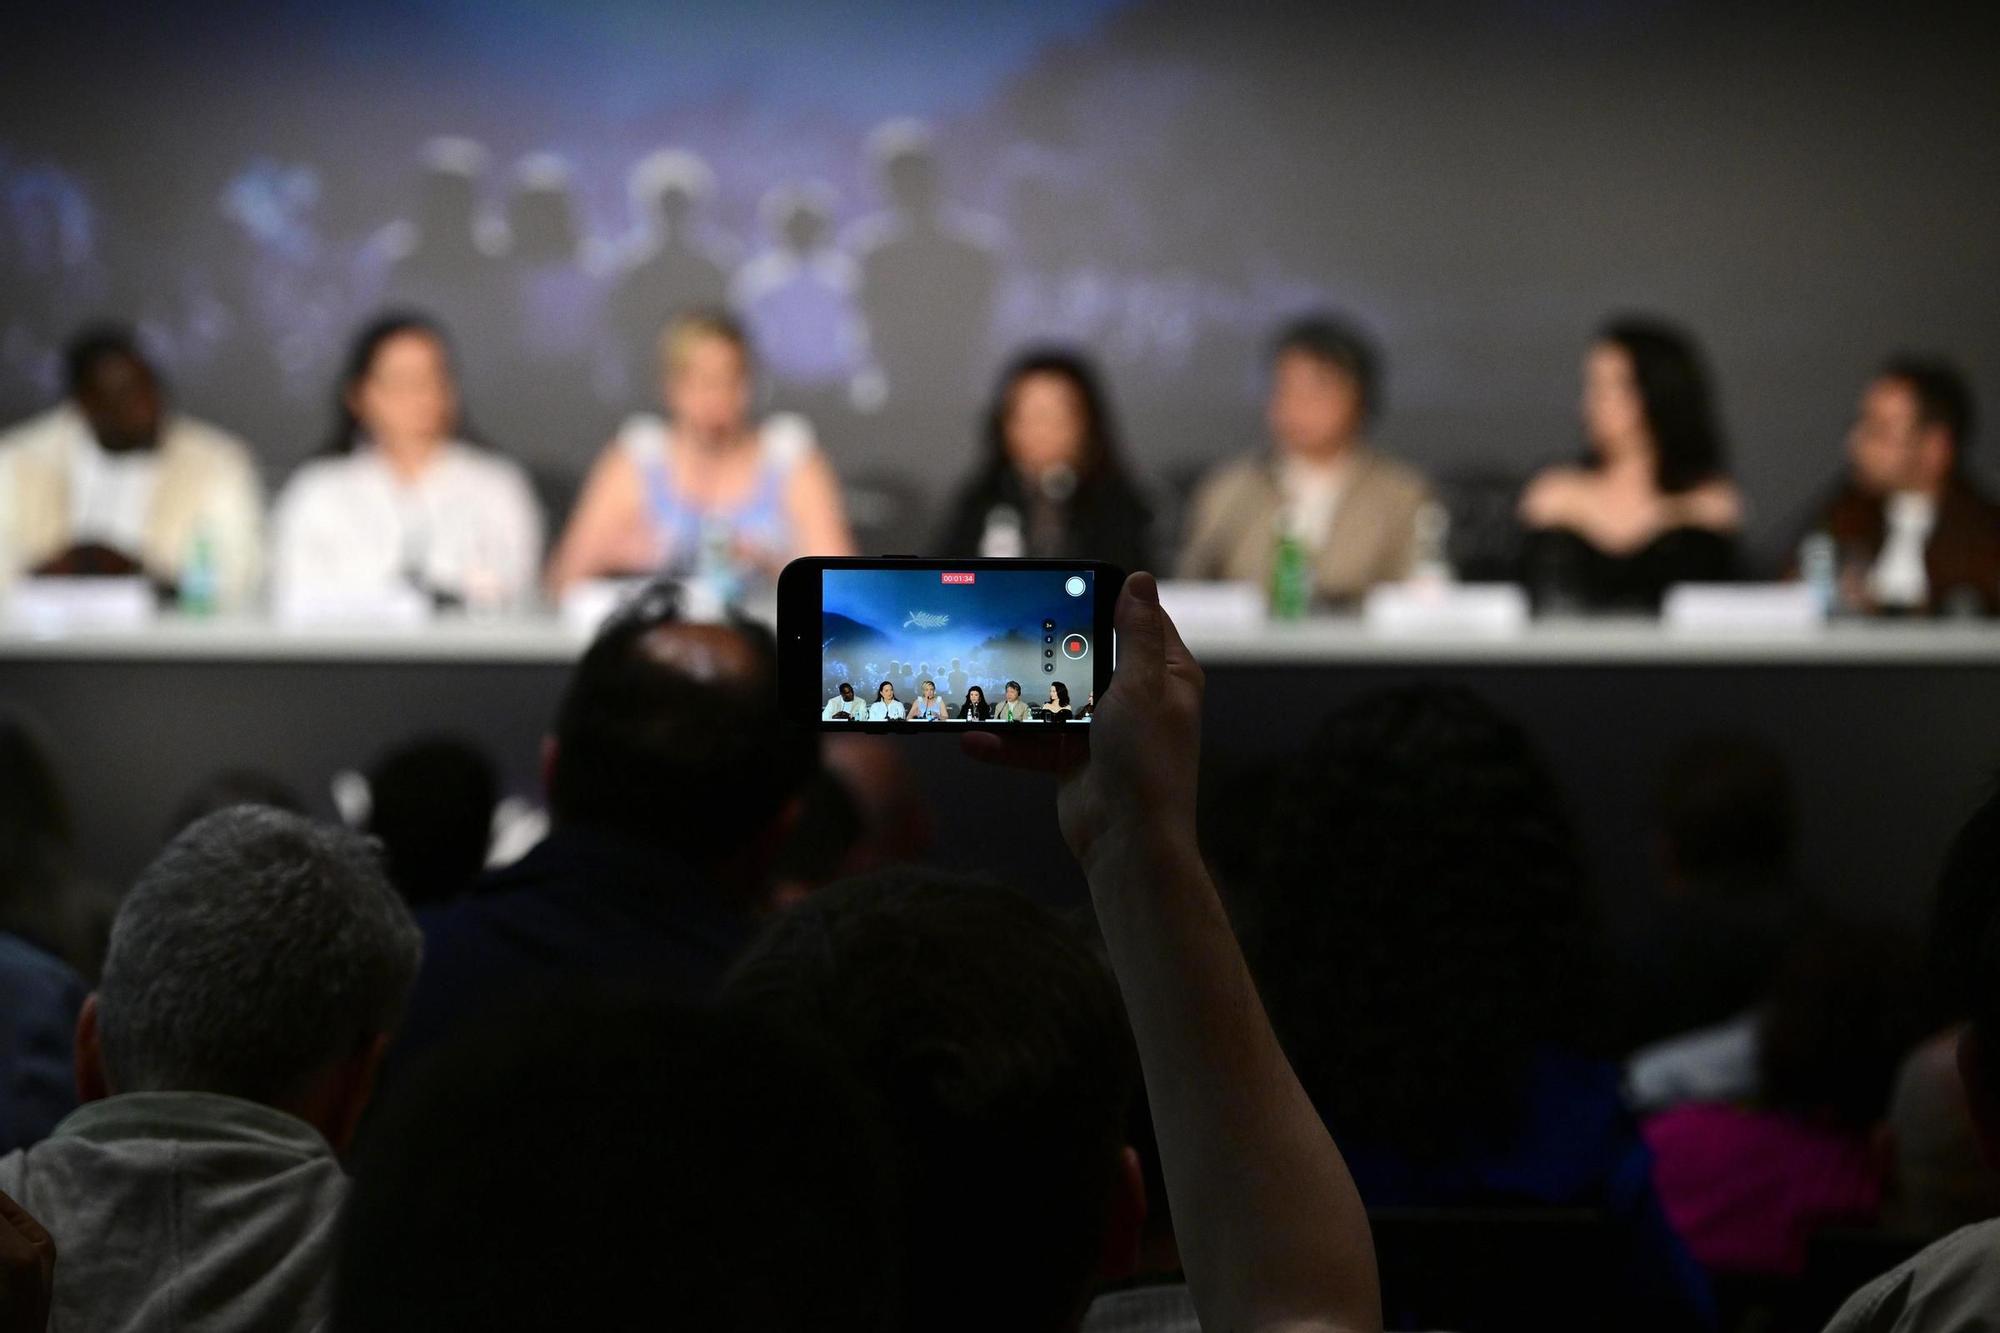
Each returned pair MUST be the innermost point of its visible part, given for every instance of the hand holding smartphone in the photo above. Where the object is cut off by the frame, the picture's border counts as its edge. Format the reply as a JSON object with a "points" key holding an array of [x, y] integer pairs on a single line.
{"points": [[903, 645]]}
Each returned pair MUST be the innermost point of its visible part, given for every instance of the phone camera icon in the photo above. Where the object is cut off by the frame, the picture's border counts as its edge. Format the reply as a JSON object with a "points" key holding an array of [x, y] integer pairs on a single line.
{"points": [[1049, 666], [1074, 585], [1075, 646], [1048, 625]]}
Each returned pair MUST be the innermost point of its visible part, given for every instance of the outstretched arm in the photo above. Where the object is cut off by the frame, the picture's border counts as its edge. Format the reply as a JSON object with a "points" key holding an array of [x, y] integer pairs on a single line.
{"points": [[1271, 1231]]}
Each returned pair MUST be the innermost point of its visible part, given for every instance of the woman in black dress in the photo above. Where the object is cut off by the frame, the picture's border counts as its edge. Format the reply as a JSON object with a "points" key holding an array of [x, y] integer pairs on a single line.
{"points": [[1651, 504]]}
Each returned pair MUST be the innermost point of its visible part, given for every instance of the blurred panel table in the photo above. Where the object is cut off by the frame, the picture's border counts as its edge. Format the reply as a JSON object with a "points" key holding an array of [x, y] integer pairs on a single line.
{"points": [[1892, 730]]}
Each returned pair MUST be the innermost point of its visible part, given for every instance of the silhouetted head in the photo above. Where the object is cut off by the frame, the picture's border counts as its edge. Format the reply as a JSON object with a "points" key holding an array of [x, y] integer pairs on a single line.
{"points": [[114, 386], [990, 1042], [1421, 927], [904, 154], [669, 732], [667, 188], [541, 214], [430, 805]]}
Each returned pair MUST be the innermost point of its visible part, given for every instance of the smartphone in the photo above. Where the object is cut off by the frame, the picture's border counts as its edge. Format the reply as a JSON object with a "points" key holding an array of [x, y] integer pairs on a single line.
{"points": [[907, 645]]}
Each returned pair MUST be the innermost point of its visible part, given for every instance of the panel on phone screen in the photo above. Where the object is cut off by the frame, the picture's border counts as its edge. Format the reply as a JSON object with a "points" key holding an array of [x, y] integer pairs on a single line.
{"points": [[969, 634]]}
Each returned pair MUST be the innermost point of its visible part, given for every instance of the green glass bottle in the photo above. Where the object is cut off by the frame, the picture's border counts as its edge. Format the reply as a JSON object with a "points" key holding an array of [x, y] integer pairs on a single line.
{"points": [[1291, 578]]}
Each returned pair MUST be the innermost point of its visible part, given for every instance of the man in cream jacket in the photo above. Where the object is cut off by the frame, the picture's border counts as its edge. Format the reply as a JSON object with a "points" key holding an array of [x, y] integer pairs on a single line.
{"points": [[110, 482]]}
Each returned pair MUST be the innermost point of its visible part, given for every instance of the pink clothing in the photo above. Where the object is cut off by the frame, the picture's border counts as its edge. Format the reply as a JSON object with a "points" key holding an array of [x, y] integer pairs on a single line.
{"points": [[1746, 1189]]}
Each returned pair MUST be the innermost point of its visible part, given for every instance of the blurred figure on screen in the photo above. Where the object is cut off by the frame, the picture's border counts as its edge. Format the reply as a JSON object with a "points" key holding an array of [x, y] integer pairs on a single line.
{"points": [[928, 276], [111, 481], [798, 303], [398, 495], [677, 261], [1912, 530], [1322, 490], [707, 490], [445, 256], [1053, 482], [554, 305], [1651, 504]]}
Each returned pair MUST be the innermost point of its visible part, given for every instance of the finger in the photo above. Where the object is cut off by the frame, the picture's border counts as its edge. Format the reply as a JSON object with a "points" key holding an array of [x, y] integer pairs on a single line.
{"points": [[1035, 754], [1179, 660], [23, 1223], [1141, 634]]}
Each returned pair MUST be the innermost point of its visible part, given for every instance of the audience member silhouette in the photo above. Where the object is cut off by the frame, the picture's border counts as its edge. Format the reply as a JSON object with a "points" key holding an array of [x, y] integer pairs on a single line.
{"points": [[798, 303], [1955, 1283], [670, 778], [430, 805], [990, 1042], [1422, 933]]}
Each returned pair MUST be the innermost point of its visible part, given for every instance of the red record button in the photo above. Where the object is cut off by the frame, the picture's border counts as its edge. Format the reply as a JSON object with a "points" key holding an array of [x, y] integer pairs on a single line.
{"points": [[1075, 646]]}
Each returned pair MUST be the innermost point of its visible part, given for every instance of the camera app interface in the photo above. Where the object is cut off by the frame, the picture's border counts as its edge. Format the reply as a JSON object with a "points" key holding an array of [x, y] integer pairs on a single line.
{"points": [[944, 645]]}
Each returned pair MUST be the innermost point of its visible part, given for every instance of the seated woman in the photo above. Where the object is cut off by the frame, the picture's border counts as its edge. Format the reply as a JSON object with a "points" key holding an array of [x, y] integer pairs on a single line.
{"points": [[928, 706], [976, 708], [398, 495], [1652, 504], [1056, 709], [1013, 708], [1052, 484], [706, 489], [887, 707]]}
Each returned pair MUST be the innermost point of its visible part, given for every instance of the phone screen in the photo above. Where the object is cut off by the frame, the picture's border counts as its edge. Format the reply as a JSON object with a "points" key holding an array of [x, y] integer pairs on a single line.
{"points": [[979, 642]]}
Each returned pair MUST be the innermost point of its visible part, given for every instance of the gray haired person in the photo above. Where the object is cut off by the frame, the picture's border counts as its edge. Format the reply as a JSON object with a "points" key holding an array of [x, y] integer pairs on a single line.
{"points": [[255, 972]]}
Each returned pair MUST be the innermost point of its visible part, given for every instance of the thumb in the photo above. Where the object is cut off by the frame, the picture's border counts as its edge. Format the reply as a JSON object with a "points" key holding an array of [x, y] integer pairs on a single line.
{"points": [[1142, 630]]}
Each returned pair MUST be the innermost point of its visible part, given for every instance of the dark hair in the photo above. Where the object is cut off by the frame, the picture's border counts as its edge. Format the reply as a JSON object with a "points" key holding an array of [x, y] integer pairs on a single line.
{"points": [[1963, 909], [1674, 395], [1422, 925], [37, 837], [94, 344], [361, 354], [1014, 685], [992, 1046], [1337, 342], [695, 1166], [431, 803], [847, 686], [888, 685], [1727, 811], [1943, 396], [1103, 462], [1845, 1009], [1062, 692], [639, 740]]}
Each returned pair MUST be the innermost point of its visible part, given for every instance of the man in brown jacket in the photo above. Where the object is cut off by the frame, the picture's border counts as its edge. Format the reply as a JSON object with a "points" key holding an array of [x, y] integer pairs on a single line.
{"points": [[1352, 509]]}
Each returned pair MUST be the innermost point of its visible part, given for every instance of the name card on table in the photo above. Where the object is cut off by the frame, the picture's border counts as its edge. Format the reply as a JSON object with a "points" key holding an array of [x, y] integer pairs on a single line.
{"points": [[49, 608], [397, 607], [1213, 606], [1426, 607], [1743, 608]]}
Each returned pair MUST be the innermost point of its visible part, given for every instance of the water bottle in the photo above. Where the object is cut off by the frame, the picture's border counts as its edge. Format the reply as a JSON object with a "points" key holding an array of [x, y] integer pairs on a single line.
{"points": [[1291, 578], [1430, 562], [1819, 569], [199, 582]]}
